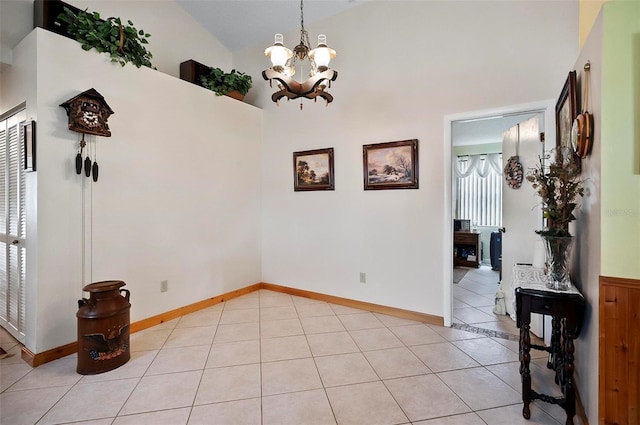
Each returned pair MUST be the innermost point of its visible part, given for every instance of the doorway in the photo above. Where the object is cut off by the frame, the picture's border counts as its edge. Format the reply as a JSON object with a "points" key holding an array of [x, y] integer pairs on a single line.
{"points": [[12, 223], [497, 118]]}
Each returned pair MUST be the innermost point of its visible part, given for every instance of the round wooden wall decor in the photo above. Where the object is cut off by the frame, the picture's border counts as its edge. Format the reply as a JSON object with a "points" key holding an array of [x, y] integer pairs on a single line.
{"points": [[582, 128]]}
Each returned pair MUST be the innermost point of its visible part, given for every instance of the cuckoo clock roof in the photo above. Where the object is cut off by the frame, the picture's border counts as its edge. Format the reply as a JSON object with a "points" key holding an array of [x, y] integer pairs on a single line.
{"points": [[91, 93]]}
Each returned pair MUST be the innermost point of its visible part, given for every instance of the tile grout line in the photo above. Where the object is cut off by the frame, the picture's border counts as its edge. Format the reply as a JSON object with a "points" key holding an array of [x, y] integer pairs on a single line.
{"points": [[313, 358]]}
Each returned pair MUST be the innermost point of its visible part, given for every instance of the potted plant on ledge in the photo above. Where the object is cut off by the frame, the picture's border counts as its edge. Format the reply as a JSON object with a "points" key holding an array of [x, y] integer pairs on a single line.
{"points": [[124, 43], [558, 186], [233, 84]]}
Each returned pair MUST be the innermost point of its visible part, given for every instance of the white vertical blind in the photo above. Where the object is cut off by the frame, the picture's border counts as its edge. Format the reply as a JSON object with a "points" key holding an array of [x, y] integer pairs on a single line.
{"points": [[4, 295], [12, 225], [479, 189]]}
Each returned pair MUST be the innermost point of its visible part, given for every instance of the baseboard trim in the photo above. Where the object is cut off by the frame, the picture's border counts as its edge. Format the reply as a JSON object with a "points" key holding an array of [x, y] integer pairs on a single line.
{"points": [[35, 360], [191, 308], [39, 359], [362, 305]]}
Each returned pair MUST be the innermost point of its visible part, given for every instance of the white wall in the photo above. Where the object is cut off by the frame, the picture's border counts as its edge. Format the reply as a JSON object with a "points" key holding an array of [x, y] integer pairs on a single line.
{"points": [[178, 196], [438, 58], [587, 248]]}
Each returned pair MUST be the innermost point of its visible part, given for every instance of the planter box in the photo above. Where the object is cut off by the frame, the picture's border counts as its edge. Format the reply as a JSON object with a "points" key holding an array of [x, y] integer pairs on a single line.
{"points": [[191, 71], [45, 15]]}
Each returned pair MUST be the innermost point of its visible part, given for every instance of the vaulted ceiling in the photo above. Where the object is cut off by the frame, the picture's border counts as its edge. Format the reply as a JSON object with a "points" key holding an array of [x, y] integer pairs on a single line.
{"points": [[242, 23]]}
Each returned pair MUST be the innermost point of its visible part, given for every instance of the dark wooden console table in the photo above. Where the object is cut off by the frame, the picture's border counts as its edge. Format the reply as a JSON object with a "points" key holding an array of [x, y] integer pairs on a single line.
{"points": [[466, 247], [567, 312]]}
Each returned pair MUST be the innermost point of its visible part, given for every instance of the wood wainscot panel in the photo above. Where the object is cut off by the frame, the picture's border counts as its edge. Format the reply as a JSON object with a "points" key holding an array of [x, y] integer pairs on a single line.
{"points": [[619, 382]]}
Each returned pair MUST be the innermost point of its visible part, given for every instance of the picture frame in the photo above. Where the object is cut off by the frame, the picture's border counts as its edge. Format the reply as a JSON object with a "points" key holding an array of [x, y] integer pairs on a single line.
{"points": [[313, 170], [29, 145], [566, 111], [391, 165]]}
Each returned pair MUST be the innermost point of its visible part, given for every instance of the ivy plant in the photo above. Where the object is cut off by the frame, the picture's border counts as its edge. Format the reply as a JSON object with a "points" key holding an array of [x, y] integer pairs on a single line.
{"points": [[123, 42], [222, 82]]}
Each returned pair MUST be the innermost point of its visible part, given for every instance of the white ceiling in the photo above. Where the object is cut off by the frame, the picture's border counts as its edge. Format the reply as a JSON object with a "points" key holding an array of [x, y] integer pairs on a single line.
{"points": [[235, 23], [484, 130], [243, 23]]}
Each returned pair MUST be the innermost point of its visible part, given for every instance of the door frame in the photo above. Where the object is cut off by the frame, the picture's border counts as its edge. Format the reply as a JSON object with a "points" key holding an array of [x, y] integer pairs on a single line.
{"points": [[547, 107], [18, 331]]}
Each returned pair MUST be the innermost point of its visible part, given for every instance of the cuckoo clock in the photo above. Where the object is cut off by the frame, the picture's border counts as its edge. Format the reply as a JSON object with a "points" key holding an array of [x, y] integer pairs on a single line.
{"points": [[88, 113]]}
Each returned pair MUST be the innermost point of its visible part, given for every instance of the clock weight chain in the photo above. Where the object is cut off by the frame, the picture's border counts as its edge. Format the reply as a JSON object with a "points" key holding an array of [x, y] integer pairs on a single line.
{"points": [[79, 155], [94, 167], [87, 161]]}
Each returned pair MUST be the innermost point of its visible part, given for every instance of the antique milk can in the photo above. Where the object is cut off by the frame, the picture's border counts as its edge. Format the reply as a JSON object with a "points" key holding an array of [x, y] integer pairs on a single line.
{"points": [[103, 327]]}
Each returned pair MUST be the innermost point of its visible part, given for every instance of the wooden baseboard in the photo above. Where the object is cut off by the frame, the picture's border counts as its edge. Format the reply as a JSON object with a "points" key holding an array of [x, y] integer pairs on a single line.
{"points": [[39, 359], [377, 308], [35, 360], [191, 308]]}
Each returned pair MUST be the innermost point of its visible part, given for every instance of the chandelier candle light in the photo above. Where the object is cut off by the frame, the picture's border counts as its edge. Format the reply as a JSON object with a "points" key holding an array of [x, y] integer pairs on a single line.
{"points": [[283, 67]]}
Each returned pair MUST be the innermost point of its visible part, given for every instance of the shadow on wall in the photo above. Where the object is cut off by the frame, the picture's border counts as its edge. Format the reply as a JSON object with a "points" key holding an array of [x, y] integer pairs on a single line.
{"points": [[635, 48]]}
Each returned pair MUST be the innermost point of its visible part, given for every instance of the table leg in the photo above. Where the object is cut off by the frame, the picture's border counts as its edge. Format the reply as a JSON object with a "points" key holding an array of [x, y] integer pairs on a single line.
{"points": [[569, 390], [555, 345], [525, 359]]}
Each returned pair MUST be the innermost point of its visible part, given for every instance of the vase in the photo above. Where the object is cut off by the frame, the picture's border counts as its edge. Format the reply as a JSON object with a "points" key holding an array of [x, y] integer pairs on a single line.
{"points": [[235, 94], [557, 255]]}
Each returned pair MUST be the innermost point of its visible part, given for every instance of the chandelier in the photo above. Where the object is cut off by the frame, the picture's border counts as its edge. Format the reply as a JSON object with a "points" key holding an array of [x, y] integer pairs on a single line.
{"points": [[284, 62]]}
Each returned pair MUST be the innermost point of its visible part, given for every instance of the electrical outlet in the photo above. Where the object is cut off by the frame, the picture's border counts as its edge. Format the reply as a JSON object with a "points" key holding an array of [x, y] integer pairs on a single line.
{"points": [[363, 277], [164, 285]]}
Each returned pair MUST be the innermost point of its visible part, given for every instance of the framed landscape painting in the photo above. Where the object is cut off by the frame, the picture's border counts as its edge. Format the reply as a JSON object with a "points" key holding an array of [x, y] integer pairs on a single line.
{"points": [[313, 170], [392, 165], [566, 111]]}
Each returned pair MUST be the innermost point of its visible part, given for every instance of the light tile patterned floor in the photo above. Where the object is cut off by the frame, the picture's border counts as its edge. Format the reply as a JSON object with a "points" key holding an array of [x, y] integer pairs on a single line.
{"points": [[273, 359], [474, 299]]}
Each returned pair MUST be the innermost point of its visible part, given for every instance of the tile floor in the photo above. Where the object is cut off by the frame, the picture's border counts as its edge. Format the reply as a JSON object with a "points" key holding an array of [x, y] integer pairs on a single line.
{"points": [[275, 359], [474, 298]]}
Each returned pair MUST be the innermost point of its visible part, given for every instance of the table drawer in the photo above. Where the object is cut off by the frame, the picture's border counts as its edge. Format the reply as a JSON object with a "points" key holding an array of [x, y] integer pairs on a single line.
{"points": [[470, 238]]}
